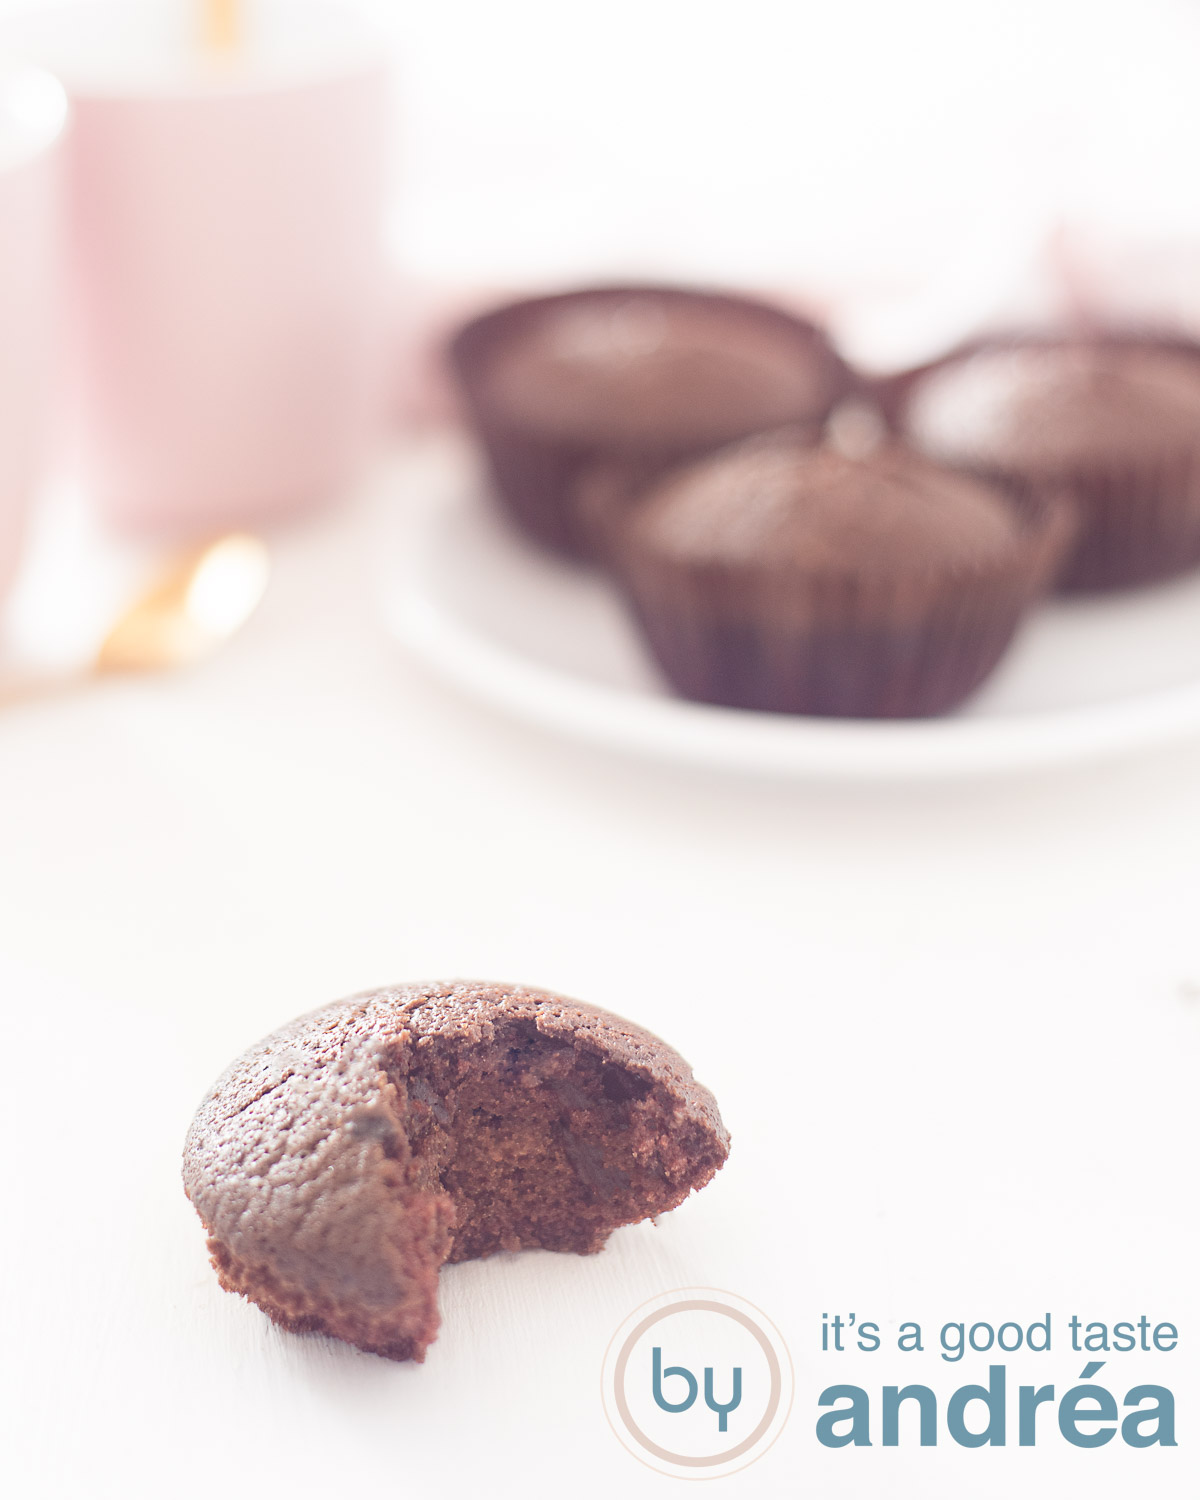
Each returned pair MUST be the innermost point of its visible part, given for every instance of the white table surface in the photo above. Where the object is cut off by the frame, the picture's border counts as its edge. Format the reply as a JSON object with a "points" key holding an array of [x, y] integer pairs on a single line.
{"points": [[955, 1034]]}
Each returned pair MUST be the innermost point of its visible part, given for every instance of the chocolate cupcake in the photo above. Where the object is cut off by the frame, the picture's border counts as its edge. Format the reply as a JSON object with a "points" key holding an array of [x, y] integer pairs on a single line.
{"points": [[341, 1161], [781, 577], [1115, 423], [607, 492], [645, 376]]}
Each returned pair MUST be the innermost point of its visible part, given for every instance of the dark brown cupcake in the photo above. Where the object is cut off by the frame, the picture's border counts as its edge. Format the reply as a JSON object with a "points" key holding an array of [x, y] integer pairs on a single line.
{"points": [[1115, 423], [341, 1161], [781, 577], [608, 491], [646, 376]]}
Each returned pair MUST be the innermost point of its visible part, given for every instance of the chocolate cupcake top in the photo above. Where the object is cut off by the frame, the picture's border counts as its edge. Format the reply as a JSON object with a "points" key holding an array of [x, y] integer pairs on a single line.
{"points": [[646, 369], [1056, 406], [776, 504]]}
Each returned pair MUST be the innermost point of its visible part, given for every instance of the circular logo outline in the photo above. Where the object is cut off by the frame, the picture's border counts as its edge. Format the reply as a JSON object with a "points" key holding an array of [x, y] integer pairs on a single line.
{"points": [[694, 1303]]}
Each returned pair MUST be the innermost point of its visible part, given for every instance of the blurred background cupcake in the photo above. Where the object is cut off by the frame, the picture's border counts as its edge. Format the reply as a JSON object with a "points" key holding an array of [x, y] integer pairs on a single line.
{"points": [[1115, 423], [782, 577], [637, 377]]}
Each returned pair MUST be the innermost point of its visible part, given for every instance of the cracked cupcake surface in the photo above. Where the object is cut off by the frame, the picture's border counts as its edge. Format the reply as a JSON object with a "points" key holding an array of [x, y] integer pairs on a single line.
{"points": [[342, 1160]]}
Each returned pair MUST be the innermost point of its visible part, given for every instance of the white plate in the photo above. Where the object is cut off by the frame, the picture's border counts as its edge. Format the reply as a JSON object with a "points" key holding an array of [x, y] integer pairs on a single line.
{"points": [[551, 644]]}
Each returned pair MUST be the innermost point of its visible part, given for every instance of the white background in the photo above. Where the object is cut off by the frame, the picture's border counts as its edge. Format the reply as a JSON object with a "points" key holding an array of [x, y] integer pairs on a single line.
{"points": [[955, 1032], [907, 167]]}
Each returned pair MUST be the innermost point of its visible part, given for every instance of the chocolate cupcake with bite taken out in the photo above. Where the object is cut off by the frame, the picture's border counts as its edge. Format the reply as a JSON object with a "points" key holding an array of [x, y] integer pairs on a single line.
{"points": [[643, 377], [1113, 422], [792, 579], [340, 1162]]}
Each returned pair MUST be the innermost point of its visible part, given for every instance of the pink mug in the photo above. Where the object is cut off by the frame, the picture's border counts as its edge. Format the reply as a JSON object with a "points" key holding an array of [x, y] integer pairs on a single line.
{"points": [[33, 119], [227, 256]]}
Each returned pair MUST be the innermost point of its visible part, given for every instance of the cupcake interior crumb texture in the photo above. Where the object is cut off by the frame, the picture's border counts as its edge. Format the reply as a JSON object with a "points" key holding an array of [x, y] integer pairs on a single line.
{"points": [[540, 1142]]}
